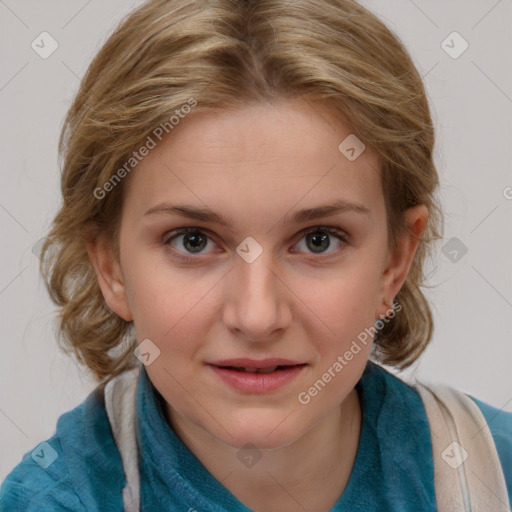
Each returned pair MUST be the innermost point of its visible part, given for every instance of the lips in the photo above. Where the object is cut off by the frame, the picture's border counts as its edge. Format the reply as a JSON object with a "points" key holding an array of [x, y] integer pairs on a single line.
{"points": [[257, 376]]}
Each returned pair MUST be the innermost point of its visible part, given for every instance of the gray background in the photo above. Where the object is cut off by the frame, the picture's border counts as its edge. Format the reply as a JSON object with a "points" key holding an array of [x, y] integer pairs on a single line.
{"points": [[471, 98]]}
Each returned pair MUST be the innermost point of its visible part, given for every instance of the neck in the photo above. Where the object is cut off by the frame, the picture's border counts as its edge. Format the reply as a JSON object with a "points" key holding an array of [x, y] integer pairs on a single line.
{"points": [[312, 471]]}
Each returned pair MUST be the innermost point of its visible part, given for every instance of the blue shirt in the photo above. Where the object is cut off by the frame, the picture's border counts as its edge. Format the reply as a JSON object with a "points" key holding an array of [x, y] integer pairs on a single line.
{"points": [[393, 469]]}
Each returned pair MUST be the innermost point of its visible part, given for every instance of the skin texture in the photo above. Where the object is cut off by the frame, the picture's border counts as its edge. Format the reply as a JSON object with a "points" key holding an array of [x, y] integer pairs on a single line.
{"points": [[254, 166]]}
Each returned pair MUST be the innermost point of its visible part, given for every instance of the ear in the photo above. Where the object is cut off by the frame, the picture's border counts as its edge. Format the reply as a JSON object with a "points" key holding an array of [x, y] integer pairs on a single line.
{"points": [[110, 277], [399, 261]]}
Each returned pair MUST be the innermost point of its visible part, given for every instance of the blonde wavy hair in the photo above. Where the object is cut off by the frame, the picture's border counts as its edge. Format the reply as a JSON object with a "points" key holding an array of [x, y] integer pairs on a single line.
{"points": [[225, 53]]}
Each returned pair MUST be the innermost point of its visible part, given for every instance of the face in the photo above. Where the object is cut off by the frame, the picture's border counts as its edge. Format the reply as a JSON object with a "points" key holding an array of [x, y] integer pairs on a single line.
{"points": [[220, 271]]}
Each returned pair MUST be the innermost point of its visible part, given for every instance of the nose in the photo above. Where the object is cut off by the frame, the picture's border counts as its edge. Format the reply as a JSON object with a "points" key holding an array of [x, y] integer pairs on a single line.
{"points": [[257, 303]]}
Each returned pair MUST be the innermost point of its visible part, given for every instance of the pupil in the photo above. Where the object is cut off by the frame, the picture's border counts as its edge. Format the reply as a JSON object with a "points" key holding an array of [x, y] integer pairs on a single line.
{"points": [[196, 241], [320, 242]]}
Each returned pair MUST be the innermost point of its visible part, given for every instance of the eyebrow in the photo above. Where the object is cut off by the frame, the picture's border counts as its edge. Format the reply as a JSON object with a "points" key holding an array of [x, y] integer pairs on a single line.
{"points": [[301, 216]]}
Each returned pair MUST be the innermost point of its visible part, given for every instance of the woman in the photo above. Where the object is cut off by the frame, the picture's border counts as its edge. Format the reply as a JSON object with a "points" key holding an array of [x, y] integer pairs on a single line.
{"points": [[249, 197]]}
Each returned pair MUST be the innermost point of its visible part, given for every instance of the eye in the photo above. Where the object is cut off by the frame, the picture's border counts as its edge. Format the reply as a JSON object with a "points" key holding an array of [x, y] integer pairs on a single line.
{"points": [[193, 240], [318, 239]]}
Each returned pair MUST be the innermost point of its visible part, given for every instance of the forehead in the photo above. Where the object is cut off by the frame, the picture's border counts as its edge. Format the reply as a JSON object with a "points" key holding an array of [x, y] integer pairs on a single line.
{"points": [[259, 160]]}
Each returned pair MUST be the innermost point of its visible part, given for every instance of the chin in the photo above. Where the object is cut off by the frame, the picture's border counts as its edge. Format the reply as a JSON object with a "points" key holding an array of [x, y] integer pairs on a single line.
{"points": [[264, 431]]}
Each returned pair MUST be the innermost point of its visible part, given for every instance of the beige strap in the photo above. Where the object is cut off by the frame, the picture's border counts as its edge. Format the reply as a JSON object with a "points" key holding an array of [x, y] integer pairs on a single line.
{"points": [[468, 476], [120, 403]]}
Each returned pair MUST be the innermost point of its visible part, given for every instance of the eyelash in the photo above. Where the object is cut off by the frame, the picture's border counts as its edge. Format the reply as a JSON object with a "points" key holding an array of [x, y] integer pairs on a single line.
{"points": [[329, 230]]}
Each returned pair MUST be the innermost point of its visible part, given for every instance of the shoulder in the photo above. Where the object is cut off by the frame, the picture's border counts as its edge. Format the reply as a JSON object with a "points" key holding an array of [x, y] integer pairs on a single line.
{"points": [[78, 468], [500, 425], [32, 485], [402, 395], [499, 421]]}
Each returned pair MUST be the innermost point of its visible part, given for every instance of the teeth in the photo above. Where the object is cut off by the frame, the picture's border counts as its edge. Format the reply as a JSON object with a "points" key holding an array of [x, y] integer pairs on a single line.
{"points": [[270, 369], [263, 370]]}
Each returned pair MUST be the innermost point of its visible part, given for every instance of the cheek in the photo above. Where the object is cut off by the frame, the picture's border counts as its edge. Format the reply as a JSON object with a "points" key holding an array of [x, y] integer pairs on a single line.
{"points": [[345, 305], [173, 321], [166, 302]]}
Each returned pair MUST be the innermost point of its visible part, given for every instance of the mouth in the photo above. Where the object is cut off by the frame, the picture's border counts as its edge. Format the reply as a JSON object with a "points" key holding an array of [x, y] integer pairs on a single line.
{"points": [[268, 369], [250, 376]]}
